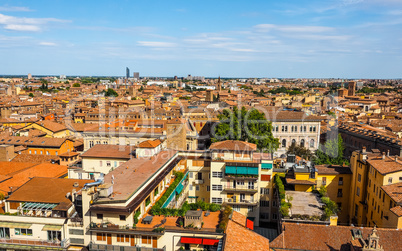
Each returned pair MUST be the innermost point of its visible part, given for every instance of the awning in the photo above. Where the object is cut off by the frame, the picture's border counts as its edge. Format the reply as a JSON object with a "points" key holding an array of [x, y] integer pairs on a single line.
{"points": [[190, 240], [230, 169], [15, 225], [210, 242], [51, 227], [179, 188], [266, 165]]}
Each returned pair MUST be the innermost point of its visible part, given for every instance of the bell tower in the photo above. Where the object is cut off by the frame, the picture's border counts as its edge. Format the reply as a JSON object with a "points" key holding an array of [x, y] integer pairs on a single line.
{"points": [[372, 244]]}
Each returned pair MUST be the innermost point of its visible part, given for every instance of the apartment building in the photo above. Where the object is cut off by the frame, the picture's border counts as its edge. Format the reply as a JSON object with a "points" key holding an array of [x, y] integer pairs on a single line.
{"points": [[376, 184], [232, 172], [41, 215]]}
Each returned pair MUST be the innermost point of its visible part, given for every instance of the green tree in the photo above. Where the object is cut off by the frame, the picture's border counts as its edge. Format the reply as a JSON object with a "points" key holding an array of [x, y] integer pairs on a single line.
{"points": [[31, 95], [76, 85], [250, 125], [300, 151], [111, 93], [331, 153]]}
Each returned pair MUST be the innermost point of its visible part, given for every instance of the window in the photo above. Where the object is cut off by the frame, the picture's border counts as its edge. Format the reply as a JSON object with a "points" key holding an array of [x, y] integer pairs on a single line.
{"points": [[264, 203], [53, 235], [311, 128], [339, 205], [283, 128], [108, 164], [312, 143], [146, 239], [240, 183], [47, 152], [191, 175], [190, 187], [359, 177], [340, 182], [123, 238], [236, 208], [251, 185], [295, 128], [264, 216], [100, 236], [100, 163], [286, 128], [390, 180], [217, 187], [274, 203], [358, 191], [264, 190], [30, 152], [302, 143], [197, 188], [122, 217], [57, 153], [217, 200], [217, 174], [340, 193], [293, 142], [324, 181], [23, 231], [208, 188], [274, 216], [284, 143], [99, 216], [41, 152], [35, 151], [4, 233], [250, 209]]}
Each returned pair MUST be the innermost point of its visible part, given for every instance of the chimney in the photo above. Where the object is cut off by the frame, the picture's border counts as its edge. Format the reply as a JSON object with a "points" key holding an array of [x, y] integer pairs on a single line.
{"points": [[388, 152], [364, 149], [383, 155]]}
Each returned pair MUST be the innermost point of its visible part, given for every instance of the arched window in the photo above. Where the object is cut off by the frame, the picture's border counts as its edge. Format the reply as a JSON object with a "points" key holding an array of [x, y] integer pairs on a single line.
{"points": [[302, 143], [293, 141], [312, 143], [284, 143]]}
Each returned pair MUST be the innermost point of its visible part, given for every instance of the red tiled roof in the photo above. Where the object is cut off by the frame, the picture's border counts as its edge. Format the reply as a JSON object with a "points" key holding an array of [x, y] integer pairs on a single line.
{"points": [[297, 236], [109, 151], [238, 237], [150, 143], [233, 145]]}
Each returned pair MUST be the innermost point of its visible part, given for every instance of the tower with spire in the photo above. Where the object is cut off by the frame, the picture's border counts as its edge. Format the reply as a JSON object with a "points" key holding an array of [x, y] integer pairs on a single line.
{"points": [[219, 85]]}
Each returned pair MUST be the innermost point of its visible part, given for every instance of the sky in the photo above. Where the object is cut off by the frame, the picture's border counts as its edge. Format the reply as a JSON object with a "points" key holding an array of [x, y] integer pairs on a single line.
{"points": [[227, 38]]}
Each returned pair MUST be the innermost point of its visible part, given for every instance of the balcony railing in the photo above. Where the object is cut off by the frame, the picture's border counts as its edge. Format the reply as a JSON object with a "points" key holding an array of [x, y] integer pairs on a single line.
{"points": [[45, 244], [117, 228], [237, 201], [241, 188], [241, 177], [98, 247]]}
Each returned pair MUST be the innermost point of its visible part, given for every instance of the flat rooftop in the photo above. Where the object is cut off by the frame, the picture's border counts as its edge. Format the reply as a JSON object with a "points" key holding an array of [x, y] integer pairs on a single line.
{"points": [[305, 203], [131, 175]]}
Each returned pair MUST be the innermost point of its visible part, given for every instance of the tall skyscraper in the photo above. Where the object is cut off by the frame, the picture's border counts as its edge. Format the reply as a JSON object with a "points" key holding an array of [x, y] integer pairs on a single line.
{"points": [[136, 75], [127, 72]]}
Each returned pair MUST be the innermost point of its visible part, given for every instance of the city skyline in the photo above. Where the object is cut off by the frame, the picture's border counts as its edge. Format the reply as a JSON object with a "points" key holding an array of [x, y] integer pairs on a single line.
{"points": [[297, 39]]}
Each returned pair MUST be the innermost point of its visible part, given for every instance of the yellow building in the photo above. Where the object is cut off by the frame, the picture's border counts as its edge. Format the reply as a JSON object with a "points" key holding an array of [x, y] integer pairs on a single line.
{"points": [[336, 180], [376, 184], [52, 129]]}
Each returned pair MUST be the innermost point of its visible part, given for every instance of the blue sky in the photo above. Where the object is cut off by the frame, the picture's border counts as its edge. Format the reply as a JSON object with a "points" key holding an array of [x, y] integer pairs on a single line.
{"points": [[300, 38]]}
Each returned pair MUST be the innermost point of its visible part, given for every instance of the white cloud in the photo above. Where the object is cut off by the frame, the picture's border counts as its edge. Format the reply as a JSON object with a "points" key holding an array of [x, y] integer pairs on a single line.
{"points": [[22, 27], [292, 28], [14, 8], [48, 44], [26, 24], [156, 44]]}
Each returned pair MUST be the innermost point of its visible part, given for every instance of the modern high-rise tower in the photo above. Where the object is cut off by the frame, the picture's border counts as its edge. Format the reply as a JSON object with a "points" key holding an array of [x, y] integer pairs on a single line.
{"points": [[127, 72], [136, 75]]}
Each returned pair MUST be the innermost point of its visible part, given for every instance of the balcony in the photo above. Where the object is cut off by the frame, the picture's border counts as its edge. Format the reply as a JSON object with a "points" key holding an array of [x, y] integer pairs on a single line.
{"points": [[199, 182], [108, 227], [96, 247], [34, 244], [240, 188], [340, 195], [241, 177], [244, 202]]}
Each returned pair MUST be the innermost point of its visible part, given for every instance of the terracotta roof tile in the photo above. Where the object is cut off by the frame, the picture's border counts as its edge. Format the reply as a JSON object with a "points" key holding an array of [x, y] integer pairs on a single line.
{"points": [[150, 143], [233, 145], [299, 236], [109, 151]]}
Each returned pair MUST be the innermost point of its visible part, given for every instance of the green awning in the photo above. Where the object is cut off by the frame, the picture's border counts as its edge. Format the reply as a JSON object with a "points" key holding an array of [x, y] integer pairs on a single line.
{"points": [[230, 170], [252, 170], [15, 224], [242, 170], [266, 165], [179, 188], [51, 227]]}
